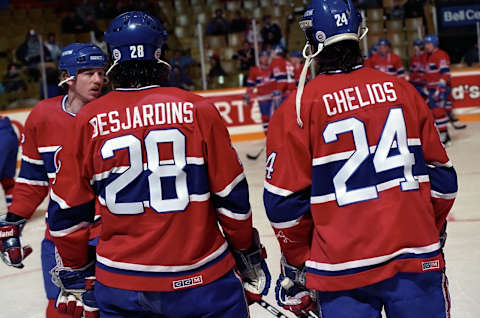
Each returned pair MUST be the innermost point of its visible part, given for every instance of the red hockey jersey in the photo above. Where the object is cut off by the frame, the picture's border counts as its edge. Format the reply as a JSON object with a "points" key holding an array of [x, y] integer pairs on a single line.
{"points": [[362, 191], [261, 79], [389, 64], [158, 165], [43, 136], [416, 71], [437, 68], [283, 74]]}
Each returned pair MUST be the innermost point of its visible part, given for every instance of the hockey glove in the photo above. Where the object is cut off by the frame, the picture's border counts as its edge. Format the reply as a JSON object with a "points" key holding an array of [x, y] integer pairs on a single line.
{"points": [[76, 296], [291, 292], [253, 269], [11, 250], [276, 99]]}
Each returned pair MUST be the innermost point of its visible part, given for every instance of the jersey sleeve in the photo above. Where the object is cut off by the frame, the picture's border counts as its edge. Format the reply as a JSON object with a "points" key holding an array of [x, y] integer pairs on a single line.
{"points": [[31, 186], [8, 161], [287, 186], [442, 175], [72, 208], [228, 184]]}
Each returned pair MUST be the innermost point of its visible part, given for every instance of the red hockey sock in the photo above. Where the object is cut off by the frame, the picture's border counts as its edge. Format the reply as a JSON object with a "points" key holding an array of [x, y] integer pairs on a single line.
{"points": [[52, 312]]}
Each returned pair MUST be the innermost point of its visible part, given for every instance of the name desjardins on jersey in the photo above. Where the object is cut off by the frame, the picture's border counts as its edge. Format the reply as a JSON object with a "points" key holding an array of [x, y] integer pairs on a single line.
{"points": [[142, 116]]}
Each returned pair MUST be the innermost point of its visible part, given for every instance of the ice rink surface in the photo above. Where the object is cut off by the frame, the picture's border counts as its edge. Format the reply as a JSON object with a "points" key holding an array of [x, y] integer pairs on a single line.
{"points": [[22, 295]]}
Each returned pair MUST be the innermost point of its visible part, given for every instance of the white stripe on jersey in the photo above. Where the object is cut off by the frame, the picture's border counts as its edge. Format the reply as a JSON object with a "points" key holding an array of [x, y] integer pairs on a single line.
{"points": [[446, 196], [59, 200], [236, 216], [285, 225], [70, 230], [372, 261], [48, 149], [34, 161], [226, 191], [199, 197], [161, 268], [380, 187], [347, 154], [276, 190], [32, 182]]}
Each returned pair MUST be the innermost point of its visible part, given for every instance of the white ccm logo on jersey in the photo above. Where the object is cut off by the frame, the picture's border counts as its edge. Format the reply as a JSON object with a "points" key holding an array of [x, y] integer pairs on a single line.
{"points": [[197, 280]]}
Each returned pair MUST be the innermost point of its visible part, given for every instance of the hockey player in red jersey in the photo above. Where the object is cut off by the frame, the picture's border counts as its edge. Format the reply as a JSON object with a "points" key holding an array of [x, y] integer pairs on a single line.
{"points": [[416, 71], [82, 65], [282, 74], [358, 185], [438, 86], [260, 78], [385, 60], [157, 164], [8, 159]]}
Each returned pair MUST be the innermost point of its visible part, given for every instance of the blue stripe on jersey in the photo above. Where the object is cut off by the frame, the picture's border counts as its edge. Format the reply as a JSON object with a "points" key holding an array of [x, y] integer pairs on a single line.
{"points": [[366, 268], [365, 174], [32, 171], [444, 70], [49, 161], [282, 76], [163, 274], [284, 209], [250, 83], [61, 219], [137, 190], [443, 179], [236, 201]]}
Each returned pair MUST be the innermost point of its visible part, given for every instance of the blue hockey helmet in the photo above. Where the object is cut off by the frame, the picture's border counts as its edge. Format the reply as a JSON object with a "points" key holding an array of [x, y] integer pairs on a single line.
{"points": [[417, 42], [431, 38], [264, 53], [77, 56], [135, 35], [383, 41], [328, 21]]}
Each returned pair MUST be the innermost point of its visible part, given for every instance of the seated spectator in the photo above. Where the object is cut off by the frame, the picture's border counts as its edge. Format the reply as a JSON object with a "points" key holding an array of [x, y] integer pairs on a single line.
{"points": [[183, 62], [72, 23], [179, 79], [85, 10], [218, 25], [52, 83], [398, 9], [414, 8], [12, 81], [249, 36], [271, 32], [29, 54], [53, 47], [216, 68], [239, 23], [246, 56]]}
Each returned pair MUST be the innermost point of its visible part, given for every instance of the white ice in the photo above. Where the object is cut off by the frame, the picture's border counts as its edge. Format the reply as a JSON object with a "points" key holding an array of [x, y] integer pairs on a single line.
{"points": [[22, 295]]}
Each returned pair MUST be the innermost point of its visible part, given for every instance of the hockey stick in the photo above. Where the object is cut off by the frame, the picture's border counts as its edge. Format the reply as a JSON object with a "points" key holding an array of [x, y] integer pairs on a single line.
{"points": [[274, 311], [255, 156]]}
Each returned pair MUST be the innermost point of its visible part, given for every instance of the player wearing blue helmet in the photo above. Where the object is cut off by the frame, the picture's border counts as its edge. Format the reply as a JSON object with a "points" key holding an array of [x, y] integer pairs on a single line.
{"points": [[157, 165], [358, 187], [82, 66]]}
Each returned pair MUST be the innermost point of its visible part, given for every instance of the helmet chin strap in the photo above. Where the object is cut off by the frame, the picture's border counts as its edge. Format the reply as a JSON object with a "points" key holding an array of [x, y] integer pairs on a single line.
{"points": [[66, 80], [163, 62], [303, 77]]}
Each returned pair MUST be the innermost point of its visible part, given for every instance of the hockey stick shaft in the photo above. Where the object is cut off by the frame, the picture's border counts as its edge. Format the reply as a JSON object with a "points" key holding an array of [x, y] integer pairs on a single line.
{"points": [[271, 309], [255, 156]]}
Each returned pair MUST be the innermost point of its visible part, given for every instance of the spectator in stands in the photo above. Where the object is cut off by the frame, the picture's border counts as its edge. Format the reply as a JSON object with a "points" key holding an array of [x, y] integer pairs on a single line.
{"points": [[218, 25], [72, 23], [52, 83], [102, 10], [239, 23], [216, 68], [53, 47], [365, 4], [86, 11], [178, 78], [29, 54], [471, 56], [100, 41], [12, 80], [182, 61], [246, 56], [249, 36], [271, 32], [398, 9], [414, 8]]}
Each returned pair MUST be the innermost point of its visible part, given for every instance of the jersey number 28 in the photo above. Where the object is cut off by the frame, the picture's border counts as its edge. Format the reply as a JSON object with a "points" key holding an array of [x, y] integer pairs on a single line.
{"points": [[158, 169]]}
